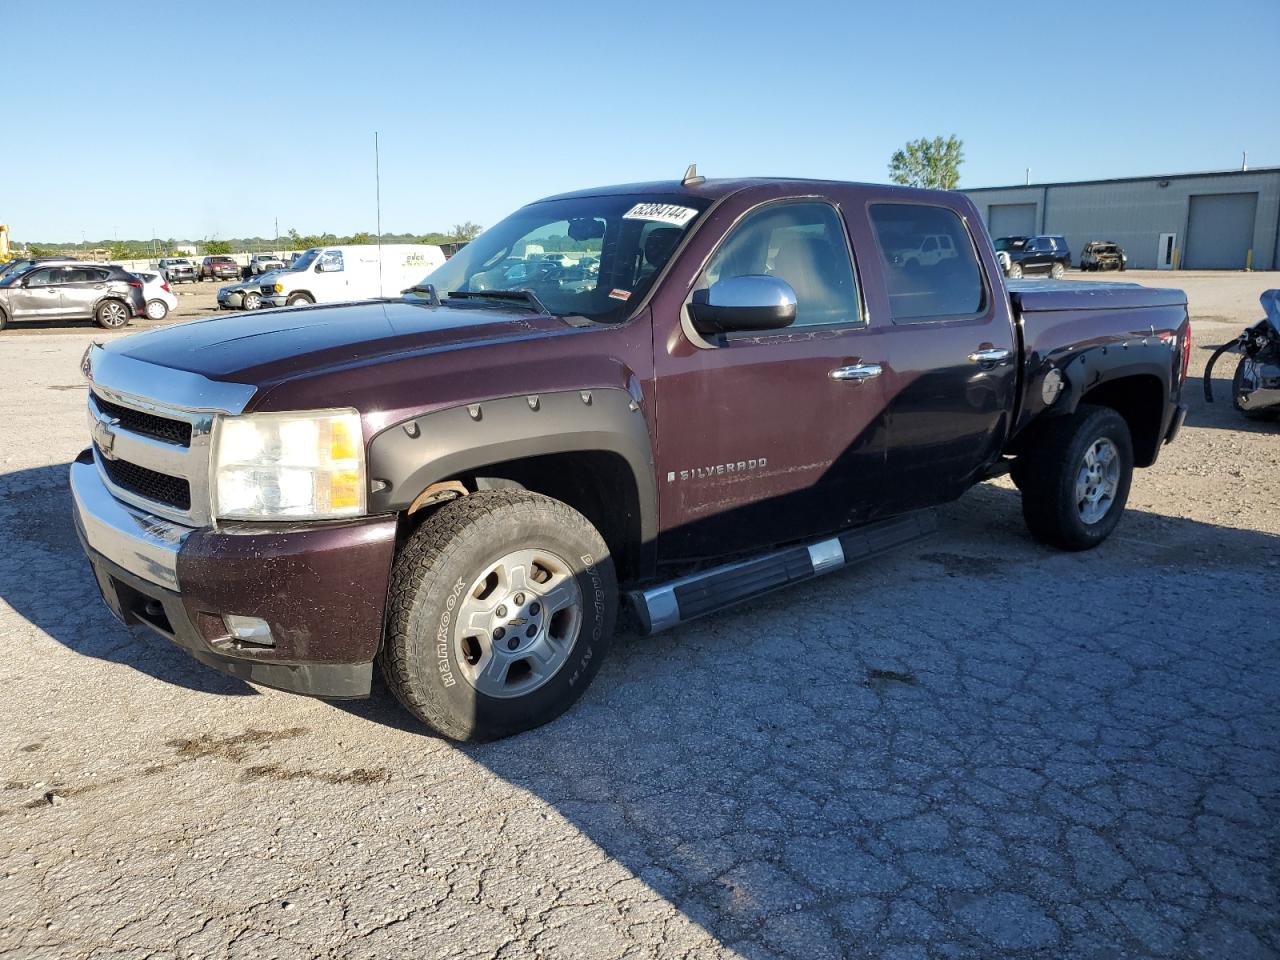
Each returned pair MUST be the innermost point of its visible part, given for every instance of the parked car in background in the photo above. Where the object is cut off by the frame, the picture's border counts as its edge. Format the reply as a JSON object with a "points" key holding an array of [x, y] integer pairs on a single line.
{"points": [[157, 295], [16, 268], [357, 272], [261, 263], [1103, 255], [1004, 246], [245, 295], [177, 269], [1043, 254], [219, 268], [107, 294]]}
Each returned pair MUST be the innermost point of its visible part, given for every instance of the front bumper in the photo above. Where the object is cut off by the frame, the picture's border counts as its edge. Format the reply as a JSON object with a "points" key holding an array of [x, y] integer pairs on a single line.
{"points": [[321, 587], [276, 300]]}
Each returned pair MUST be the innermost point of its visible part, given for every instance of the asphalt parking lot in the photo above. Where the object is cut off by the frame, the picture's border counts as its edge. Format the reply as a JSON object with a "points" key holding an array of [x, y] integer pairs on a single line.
{"points": [[978, 748]]}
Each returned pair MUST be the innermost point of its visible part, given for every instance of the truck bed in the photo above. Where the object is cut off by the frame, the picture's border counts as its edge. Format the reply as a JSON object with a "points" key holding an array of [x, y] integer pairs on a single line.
{"points": [[1038, 296]]}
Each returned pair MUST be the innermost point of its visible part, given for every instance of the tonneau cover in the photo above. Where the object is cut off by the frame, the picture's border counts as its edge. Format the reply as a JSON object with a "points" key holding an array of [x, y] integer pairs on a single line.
{"points": [[1038, 296]]}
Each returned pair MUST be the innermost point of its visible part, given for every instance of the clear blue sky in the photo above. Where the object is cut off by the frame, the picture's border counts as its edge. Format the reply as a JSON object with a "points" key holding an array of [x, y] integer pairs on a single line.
{"points": [[212, 119]]}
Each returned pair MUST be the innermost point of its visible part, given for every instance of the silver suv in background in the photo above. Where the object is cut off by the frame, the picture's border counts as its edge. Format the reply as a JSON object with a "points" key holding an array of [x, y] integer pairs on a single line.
{"points": [[72, 291]]}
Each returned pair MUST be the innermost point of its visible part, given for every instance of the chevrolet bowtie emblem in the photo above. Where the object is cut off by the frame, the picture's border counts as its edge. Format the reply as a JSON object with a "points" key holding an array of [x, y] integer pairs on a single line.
{"points": [[518, 622], [103, 436]]}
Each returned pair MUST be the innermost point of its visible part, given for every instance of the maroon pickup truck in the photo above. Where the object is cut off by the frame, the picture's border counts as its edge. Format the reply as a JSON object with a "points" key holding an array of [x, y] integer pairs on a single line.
{"points": [[675, 395], [219, 268]]}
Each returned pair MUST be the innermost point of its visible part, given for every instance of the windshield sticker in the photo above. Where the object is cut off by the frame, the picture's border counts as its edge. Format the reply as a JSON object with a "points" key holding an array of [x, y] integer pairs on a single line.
{"points": [[670, 213], [620, 294]]}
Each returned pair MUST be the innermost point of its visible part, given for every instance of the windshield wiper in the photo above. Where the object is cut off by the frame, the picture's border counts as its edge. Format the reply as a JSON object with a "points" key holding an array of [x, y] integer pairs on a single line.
{"points": [[427, 289], [528, 296]]}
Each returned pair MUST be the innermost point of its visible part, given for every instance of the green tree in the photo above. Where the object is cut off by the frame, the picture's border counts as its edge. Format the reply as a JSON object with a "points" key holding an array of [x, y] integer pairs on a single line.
{"points": [[928, 163], [465, 231], [216, 246], [362, 237]]}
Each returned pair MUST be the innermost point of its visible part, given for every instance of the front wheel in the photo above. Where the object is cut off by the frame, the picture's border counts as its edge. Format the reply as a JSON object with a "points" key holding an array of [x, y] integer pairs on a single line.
{"points": [[251, 301], [502, 607], [111, 315], [157, 310], [1075, 479], [299, 299], [1057, 271], [1015, 271]]}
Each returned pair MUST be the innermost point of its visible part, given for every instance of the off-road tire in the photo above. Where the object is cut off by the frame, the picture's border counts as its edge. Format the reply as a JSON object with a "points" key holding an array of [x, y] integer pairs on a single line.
{"points": [[1015, 271], [1046, 474], [442, 558], [108, 313], [298, 298], [1057, 271], [1235, 393]]}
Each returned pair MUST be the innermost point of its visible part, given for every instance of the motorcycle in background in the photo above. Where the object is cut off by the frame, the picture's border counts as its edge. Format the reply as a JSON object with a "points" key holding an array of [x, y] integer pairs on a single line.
{"points": [[1255, 388]]}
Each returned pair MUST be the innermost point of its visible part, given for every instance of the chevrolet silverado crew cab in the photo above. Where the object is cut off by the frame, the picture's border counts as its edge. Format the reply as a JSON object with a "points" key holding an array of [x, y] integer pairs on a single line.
{"points": [[462, 485]]}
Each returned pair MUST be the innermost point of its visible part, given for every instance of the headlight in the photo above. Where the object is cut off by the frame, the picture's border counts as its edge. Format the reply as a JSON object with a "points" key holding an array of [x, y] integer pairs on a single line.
{"points": [[278, 288], [283, 466]]}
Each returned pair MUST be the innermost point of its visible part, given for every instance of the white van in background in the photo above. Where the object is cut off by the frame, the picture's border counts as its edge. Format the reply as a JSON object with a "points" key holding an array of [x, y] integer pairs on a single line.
{"points": [[335, 274]]}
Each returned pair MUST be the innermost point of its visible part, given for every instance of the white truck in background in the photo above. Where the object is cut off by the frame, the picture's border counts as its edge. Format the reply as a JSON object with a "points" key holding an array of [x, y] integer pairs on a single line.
{"points": [[344, 273]]}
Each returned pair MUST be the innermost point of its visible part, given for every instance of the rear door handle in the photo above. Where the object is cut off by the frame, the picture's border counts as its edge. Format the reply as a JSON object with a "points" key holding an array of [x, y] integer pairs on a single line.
{"points": [[857, 371], [991, 355]]}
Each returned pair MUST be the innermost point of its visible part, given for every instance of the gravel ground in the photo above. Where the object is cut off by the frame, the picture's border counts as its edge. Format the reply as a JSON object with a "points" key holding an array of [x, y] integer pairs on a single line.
{"points": [[978, 748]]}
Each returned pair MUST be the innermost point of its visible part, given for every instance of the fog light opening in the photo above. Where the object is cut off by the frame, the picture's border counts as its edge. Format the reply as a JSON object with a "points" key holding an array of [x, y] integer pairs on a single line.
{"points": [[249, 630]]}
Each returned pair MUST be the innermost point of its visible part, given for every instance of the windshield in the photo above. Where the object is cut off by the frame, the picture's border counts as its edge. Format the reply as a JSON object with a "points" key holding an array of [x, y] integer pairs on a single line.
{"points": [[587, 256], [306, 259]]}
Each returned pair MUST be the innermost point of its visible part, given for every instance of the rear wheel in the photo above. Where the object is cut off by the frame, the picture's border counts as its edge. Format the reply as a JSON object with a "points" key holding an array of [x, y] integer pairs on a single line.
{"points": [[111, 315], [502, 607], [300, 298], [4, 319], [1075, 480], [1015, 271], [157, 309], [1057, 271]]}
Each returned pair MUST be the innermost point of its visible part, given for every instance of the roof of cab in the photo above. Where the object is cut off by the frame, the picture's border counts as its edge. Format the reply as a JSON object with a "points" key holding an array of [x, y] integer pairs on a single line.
{"points": [[706, 189]]}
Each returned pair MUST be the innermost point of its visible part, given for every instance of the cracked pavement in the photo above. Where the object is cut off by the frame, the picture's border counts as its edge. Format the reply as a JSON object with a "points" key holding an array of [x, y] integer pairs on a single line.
{"points": [[977, 748]]}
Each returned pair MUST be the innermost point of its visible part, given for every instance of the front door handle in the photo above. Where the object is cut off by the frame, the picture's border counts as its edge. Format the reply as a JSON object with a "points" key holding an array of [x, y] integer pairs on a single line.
{"points": [[858, 371], [991, 355]]}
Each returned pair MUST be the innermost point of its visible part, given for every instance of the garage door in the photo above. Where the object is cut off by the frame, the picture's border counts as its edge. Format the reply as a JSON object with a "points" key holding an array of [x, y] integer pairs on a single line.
{"points": [[1012, 220], [1220, 231]]}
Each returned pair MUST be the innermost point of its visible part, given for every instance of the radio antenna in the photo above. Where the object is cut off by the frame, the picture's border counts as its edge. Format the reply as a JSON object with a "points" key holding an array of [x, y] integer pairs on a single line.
{"points": [[691, 178], [377, 195]]}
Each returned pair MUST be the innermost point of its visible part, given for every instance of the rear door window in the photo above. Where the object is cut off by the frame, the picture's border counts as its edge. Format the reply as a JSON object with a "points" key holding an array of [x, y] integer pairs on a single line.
{"points": [[947, 288]]}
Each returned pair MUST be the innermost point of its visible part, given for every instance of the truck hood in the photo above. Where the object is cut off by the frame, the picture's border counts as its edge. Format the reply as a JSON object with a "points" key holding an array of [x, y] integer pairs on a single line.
{"points": [[265, 347]]}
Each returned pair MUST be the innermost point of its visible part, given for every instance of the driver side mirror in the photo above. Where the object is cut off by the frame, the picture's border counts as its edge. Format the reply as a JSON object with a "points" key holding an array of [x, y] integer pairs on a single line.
{"points": [[753, 302]]}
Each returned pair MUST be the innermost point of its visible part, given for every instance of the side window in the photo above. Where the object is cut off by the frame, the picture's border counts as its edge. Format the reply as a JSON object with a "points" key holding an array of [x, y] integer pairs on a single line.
{"points": [[44, 278], [803, 244], [947, 288], [80, 275], [330, 260], [931, 244]]}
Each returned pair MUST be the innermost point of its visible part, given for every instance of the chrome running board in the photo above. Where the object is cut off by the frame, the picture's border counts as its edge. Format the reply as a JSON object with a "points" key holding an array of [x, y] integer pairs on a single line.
{"points": [[712, 590]]}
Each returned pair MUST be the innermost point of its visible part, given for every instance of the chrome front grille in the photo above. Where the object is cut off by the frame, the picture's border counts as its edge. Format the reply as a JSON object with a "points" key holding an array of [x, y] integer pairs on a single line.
{"points": [[151, 455]]}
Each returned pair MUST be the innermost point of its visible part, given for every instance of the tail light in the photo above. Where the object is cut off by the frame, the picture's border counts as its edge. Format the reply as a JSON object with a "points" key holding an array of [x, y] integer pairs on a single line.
{"points": [[136, 283], [1186, 349], [165, 287]]}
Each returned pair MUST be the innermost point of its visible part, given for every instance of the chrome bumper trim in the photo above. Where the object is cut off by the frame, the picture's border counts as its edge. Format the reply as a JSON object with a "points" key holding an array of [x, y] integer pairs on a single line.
{"points": [[145, 545]]}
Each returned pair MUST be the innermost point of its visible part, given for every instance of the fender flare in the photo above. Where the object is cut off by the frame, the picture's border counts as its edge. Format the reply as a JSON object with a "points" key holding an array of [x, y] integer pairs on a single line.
{"points": [[411, 455]]}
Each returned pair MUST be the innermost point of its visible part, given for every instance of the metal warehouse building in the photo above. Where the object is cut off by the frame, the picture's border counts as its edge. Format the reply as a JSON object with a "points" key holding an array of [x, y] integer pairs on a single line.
{"points": [[1197, 221]]}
